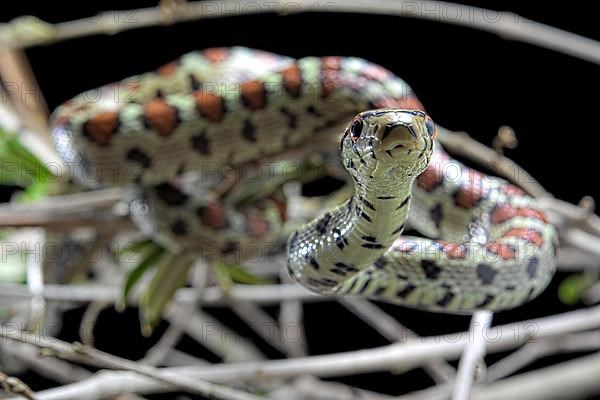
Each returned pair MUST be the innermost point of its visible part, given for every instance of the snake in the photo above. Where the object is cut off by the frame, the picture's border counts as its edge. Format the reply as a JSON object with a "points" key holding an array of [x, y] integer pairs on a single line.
{"points": [[483, 242]]}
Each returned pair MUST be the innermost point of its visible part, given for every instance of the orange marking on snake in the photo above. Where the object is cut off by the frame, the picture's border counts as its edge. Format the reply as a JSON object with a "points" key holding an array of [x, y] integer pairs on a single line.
{"points": [[453, 250], [213, 215], [216, 55], [102, 126], [506, 212], [331, 63], [530, 235], [512, 190], [161, 116], [167, 69], [253, 94], [470, 193], [210, 105], [292, 79], [503, 250], [431, 178], [257, 227]]}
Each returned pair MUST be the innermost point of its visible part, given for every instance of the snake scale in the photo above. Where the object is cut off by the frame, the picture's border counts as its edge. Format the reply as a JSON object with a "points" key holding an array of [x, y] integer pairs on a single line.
{"points": [[489, 244]]}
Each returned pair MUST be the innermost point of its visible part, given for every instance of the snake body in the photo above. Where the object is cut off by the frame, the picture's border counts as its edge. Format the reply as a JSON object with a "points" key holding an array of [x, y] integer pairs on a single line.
{"points": [[491, 245]]}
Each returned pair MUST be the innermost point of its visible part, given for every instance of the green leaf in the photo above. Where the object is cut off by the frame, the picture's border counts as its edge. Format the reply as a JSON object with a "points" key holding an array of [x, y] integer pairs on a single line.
{"points": [[150, 260], [171, 274], [572, 288], [238, 274]]}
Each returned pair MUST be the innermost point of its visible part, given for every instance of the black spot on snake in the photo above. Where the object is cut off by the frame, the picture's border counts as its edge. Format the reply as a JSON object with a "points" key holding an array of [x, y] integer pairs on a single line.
{"points": [[195, 84], [379, 263], [349, 288], [431, 269], [379, 291], [229, 247], [486, 274], [170, 194], [313, 111], [179, 227], [398, 229], [323, 223], [444, 301], [386, 197], [437, 215], [532, 266], [406, 290], [139, 156], [488, 299], [345, 267], [365, 216], [369, 238], [249, 131], [367, 203], [201, 144], [405, 202], [363, 286], [372, 246], [314, 263], [292, 119]]}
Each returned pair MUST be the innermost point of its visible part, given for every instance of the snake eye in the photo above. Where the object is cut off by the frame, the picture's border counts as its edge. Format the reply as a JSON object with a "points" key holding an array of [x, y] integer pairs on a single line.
{"points": [[356, 129], [430, 127]]}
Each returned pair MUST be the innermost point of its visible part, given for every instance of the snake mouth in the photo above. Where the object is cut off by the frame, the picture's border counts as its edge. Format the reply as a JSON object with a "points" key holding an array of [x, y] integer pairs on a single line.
{"points": [[400, 138]]}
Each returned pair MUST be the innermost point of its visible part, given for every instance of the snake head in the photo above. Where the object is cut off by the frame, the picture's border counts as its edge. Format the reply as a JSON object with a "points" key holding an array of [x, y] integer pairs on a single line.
{"points": [[389, 139]]}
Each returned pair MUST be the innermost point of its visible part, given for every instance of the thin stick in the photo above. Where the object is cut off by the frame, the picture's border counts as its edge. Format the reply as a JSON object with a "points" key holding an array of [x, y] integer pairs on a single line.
{"points": [[22, 87], [81, 353], [25, 32], [259, 294], [393, 331], [15, 386], [409, 354], [473, 354]]}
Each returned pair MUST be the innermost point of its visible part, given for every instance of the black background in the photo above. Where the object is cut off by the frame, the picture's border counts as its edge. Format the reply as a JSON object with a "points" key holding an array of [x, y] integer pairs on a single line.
{"points": [[468, 80]]}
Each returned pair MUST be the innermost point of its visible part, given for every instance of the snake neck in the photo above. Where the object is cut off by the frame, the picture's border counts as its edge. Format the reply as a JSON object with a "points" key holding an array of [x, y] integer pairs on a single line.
{"points": [[354, 235]]}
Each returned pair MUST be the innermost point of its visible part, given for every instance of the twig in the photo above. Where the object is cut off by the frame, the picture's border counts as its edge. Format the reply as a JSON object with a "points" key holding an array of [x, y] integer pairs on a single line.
{"points": [[85, 354], [460, 143], [88, 321], [575, 379], [412, 353], [220, 339], [23, 90], [259, 294], [393, 331], [291, 323], [261, 323], [310, 388], [35, 275], [51, 368], [66, 211], [585, 341], [473, 354], [15, 386], [30, 31]]}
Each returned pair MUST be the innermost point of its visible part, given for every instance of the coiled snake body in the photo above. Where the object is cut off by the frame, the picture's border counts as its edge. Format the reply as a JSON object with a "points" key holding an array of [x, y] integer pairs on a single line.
{"points": [[491, 246]]}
